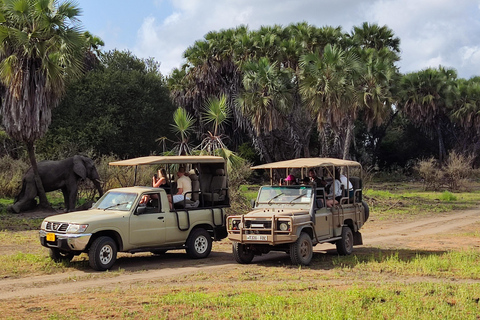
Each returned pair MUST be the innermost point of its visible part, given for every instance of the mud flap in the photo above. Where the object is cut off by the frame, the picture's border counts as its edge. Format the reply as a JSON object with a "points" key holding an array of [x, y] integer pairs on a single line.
{"points": [[357, 239]]}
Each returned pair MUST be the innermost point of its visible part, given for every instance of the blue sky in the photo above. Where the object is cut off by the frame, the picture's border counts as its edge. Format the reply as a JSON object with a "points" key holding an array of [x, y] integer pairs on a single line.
{"points": [[432, 32]]}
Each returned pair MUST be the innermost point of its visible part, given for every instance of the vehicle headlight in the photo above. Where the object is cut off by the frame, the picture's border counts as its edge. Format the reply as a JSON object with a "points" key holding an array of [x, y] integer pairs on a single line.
{"points": [[284, 226], [77, 228], [44, 225]]}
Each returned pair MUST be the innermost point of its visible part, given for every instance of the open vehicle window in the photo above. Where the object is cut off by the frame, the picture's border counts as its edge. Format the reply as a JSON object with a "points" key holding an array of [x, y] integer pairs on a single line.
{"points": [[121, 201], [285, 194]]}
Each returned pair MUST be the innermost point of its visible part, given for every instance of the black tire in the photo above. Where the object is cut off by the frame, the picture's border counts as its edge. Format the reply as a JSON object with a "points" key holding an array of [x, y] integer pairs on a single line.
{"points": [[102, 253], [345, 245], [367, 210], [199, 244], [301, 252], [59, 256], [241, 253]]}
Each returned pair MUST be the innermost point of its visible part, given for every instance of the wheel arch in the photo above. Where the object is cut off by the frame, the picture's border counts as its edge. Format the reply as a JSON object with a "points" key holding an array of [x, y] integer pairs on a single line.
{"points": [[108, 233], [205, 226], [349, 223], [307, 229]]}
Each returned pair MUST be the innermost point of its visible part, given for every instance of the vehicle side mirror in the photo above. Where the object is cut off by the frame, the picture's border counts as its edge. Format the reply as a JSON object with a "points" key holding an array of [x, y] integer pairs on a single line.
{"points": [[252, 203], [140, 210]]}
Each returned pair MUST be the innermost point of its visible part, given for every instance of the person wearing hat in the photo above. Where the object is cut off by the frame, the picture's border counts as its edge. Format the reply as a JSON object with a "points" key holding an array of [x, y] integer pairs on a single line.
{"points": [[290, 179]]}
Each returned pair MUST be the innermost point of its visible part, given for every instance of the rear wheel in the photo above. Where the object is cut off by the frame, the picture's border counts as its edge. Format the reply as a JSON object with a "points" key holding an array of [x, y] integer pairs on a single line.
{"points": [[199, 244], [345, 245], [241, 253], [102, 253], [301, 252], [58, 256]]}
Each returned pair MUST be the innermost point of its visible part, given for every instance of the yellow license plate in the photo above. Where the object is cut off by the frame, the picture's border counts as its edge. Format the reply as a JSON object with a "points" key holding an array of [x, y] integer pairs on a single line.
{"points": [[51, 237]]}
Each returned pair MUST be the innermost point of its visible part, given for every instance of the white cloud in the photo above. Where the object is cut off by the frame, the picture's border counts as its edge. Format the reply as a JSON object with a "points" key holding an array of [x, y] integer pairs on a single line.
{"points": [[432, 32]]}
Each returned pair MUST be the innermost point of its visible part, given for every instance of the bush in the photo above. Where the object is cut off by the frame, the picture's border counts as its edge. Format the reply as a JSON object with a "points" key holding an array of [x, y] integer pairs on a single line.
{"points": [[237, 177], [430, 173], [458, 170], [454, 175], [448, 196], [11, 178]]}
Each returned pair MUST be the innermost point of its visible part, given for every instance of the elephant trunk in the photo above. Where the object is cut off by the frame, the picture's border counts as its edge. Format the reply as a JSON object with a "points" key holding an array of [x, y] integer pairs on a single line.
{"points": [[98, 185]]}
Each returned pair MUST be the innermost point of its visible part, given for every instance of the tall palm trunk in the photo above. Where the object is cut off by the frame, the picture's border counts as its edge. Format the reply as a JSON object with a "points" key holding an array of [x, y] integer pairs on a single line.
{"points": [[41, 191], [348, 138], [441, 145]]}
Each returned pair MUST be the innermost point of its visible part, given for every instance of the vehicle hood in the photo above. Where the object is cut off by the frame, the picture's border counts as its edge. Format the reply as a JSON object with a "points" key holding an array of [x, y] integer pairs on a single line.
{"points": [[87, 216], [278, 212]]}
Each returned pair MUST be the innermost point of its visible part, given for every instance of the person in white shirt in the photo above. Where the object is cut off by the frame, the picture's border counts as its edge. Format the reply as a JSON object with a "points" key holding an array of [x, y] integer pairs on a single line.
{"points": [[345, 182], [334, 186], [184, 185]]}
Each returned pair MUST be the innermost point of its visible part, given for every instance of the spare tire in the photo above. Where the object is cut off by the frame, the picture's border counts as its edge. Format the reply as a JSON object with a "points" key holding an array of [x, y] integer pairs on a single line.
{"points": [[367, 210]]}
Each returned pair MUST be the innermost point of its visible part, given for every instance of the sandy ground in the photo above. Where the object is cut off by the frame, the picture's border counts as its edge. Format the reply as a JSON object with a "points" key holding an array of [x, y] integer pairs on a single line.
{"points": [[454, 230]]}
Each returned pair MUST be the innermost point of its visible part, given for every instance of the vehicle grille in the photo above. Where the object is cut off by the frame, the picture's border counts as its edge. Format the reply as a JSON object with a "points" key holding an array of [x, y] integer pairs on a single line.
{"points": [[57, 226], [258, 224]]}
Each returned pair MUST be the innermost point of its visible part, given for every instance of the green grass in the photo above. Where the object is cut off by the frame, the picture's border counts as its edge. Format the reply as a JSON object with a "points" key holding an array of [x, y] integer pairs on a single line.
{"points": [[396, 202], [457, 264]]}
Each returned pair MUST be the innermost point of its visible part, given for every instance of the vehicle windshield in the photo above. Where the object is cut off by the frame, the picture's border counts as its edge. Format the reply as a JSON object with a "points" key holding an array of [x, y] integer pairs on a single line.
{"points": [[285, 194], [115, 200]]}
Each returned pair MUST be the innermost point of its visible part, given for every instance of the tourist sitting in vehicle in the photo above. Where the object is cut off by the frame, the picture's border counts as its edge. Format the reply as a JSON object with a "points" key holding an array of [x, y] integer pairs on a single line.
{"points": [[344, 183], [334, 186], [184, 186]]}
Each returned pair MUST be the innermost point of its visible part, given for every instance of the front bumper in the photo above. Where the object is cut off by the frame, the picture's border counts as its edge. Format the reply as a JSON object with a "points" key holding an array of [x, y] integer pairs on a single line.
{"points": [[65, 241]]}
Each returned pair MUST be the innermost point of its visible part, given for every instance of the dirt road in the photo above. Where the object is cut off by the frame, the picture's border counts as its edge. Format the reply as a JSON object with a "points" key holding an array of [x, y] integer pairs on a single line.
{"points": [[455, 230]]}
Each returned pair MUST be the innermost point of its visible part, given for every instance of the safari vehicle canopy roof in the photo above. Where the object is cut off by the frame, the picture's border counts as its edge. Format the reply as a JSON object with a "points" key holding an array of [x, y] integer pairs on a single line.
{"points": [[307, 163], [167, 160]]}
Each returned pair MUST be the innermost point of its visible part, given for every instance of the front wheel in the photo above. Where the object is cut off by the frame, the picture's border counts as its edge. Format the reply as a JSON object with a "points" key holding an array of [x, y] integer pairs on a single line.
{"points": [[59, 256], [345, 245], [199, 244], [241, 253], [102, 253], [301, 252]]}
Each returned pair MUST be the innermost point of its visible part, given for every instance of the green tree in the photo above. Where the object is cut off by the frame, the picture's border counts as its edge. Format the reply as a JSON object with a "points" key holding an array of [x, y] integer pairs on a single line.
{"points": [[120, 107], [426, 98], [41, 45], [183, 126]]}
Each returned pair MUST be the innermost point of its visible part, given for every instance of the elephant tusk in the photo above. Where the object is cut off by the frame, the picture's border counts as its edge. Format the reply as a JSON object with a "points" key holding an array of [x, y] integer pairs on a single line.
{"points": [[99, 181]]}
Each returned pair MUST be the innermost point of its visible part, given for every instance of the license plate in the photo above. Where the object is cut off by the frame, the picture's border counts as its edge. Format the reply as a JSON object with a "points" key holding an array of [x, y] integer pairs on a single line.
{"points": [[51, 237], [256, 237]]}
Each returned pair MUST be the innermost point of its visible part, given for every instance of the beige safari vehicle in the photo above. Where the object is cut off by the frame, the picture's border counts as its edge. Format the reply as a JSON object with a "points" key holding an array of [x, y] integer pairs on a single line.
{"points": [[294, 218], [121, 221]]}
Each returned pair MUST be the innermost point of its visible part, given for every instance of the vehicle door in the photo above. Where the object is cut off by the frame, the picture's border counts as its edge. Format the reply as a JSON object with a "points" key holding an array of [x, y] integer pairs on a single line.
{"points": [[147, 224]]}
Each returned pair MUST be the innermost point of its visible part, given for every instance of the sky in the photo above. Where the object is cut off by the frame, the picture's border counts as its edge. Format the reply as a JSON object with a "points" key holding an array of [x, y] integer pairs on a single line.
{"points": [[431, 32]]}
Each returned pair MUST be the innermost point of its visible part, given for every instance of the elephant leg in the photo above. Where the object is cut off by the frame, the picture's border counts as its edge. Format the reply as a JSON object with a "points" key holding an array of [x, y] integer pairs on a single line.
{"points": [[26, 200], [66, 198], [72, 198]]}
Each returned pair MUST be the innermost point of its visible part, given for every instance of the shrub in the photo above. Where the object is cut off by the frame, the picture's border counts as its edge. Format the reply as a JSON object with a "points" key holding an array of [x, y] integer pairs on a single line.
{"points": [[431, 174], [11, 177], [457, 170], [237, 177], [454, 175], [448, 196]]}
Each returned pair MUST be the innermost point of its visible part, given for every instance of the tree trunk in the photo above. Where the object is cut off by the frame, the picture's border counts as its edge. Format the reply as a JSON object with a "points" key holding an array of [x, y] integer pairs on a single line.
{"points": [[41, 191], [441, 145], [348, 138]]}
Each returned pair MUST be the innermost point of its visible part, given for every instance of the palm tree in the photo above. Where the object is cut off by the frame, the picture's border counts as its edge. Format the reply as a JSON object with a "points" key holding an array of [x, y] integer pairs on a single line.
{"points": [[426, 98], [183, 126], [41, 46], [328, 89]]}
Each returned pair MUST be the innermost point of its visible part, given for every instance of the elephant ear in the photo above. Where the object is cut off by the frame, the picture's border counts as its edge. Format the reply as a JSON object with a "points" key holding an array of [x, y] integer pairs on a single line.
{"points": [[79, 167]]}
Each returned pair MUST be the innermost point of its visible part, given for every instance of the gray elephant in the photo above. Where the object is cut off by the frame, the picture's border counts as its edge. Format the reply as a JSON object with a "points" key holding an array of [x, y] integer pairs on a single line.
{"points": [[64, 175]]}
